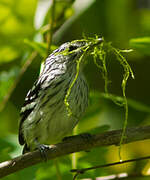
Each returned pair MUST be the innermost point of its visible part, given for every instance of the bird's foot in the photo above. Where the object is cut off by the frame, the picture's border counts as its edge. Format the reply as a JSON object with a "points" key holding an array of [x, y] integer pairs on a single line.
{"points": [[43, 148]]}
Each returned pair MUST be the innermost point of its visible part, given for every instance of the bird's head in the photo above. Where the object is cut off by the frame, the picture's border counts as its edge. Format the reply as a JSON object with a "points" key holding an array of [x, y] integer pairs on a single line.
{"points": [[69, 52], [66, 56]]}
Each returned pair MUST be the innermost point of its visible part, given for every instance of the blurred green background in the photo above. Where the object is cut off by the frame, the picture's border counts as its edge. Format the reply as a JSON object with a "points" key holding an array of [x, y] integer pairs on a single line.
{"points": [[23, 42]]}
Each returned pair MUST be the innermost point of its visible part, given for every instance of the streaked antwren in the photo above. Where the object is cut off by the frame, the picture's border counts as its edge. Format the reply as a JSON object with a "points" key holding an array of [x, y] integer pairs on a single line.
{"points": [[44, 116]]}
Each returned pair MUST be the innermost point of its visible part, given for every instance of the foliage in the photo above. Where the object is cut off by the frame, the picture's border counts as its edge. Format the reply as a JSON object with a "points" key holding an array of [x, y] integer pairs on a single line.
{"points": [[142, 44], [25, 28]]}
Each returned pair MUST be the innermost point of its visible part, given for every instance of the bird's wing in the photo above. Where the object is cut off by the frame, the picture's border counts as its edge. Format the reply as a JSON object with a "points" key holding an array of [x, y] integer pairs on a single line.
{"points": [[28, 106]]}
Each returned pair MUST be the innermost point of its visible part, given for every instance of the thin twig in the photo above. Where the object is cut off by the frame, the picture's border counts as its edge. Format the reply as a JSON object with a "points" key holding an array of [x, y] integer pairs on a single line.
{"points": [[81, 171], [51, 24], [22, 71], [75, 144], [120, 176], [75, 176]]}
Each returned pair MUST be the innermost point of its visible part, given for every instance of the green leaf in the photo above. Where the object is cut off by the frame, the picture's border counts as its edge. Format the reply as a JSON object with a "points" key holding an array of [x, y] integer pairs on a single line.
{"points": [[16, 22], [12, 139], [92, 158], [139, 106], [132, 103], [7, 54], [6, 148], [37, 46], [100, 129], [141, 44], [64, 165], [6, 81], [41, 48]]}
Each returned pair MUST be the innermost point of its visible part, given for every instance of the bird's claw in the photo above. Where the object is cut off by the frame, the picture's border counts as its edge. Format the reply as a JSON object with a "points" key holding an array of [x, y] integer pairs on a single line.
{"points": [[43, 148]]}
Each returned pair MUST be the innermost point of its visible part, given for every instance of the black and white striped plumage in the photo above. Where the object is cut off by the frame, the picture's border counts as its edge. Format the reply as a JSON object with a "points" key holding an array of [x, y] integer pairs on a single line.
{"points": [[44, 116]]}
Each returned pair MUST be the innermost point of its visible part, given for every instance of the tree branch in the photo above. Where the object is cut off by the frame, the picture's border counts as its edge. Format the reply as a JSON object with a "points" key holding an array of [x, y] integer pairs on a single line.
{"points": [[75, 144], [83, 170]]}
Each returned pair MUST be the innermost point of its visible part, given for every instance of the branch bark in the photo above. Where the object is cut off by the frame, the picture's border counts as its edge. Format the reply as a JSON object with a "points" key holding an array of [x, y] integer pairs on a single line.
{"points": [[75, 144]]}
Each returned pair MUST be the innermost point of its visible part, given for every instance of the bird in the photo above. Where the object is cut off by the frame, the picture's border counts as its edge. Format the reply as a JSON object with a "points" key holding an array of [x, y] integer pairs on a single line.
{"points": [[44, 115]]}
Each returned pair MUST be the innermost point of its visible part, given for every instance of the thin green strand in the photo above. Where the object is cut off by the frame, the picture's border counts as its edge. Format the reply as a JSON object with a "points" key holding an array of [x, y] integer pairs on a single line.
{"points": [[127, 72], [100, 52], [73, 82]]}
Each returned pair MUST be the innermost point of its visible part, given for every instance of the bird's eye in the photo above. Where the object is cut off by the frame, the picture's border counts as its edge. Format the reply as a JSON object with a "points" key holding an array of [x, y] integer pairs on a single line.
{"points": [[71, 48]]}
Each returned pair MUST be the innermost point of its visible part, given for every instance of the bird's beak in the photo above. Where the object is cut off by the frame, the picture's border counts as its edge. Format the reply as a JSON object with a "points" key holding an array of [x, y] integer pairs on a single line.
{"points": [[93, 44], [97, 42]]}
